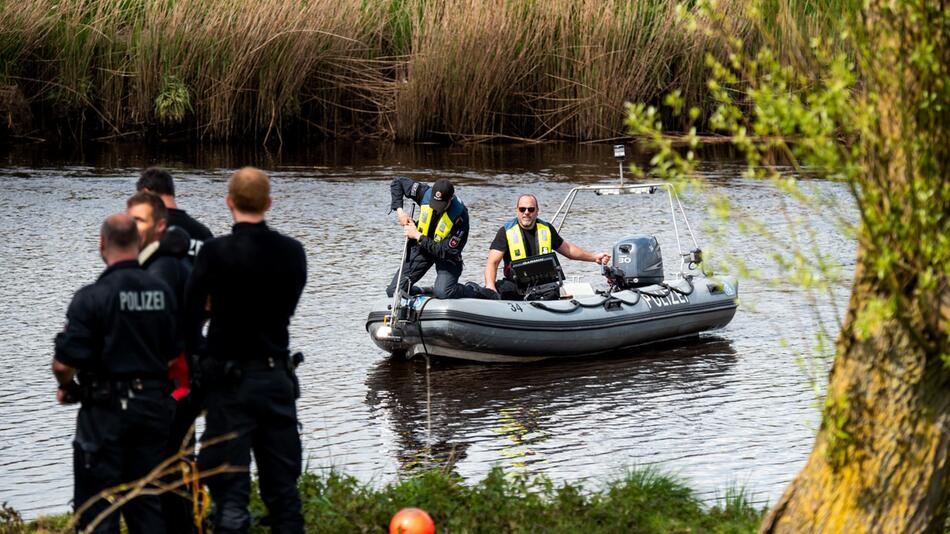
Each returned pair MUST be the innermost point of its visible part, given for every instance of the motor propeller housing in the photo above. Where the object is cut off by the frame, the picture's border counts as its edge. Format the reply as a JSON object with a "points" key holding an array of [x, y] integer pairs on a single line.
{"points": [[637, 262]]}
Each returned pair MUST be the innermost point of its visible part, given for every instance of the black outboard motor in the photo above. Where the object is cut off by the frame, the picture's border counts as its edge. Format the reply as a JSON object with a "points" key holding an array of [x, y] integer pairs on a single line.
{"points": [[637, 262]]}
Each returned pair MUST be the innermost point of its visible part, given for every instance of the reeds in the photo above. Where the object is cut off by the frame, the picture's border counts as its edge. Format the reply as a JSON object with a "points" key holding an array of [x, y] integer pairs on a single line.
{"points": [[409, 69]]}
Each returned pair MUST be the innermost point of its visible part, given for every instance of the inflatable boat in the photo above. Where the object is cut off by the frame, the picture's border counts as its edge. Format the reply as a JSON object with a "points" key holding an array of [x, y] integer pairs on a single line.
{"points": [[632, 304]]}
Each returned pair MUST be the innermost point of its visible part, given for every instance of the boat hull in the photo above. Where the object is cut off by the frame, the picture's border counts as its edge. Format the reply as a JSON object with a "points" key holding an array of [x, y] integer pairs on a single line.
{"points": [[496, 331]]}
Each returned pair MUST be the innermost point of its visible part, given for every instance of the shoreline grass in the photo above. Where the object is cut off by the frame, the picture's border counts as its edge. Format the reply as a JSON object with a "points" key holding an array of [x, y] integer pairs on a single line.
{"points": [[642, 501], [410, 70]]}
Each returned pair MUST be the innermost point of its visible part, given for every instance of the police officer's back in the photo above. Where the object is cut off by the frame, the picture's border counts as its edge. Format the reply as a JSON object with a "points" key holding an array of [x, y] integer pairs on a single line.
{"points": [[120, 336], [248, 283]]}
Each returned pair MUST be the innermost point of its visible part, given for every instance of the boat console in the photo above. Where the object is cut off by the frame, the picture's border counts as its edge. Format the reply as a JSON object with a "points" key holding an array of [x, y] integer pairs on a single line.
{"points": [[538, 277]]}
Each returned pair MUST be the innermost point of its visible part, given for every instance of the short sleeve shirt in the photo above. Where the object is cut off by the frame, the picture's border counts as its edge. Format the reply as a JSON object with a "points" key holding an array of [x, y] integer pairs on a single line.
{"points": [[530, 237]]}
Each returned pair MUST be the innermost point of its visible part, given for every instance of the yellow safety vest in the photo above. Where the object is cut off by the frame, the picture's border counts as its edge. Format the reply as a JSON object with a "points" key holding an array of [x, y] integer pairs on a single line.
{"points": [[441, 231], [515, 237]]}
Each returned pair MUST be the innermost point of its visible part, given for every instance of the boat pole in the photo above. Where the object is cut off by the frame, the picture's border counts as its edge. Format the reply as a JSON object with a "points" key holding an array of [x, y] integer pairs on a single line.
{"points": [[393, 316]]}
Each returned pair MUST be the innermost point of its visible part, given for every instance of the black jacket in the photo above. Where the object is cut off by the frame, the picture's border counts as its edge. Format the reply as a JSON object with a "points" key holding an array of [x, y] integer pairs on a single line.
{"points": [[174, 268], [121, 326], [449, 248], [199, 233]]}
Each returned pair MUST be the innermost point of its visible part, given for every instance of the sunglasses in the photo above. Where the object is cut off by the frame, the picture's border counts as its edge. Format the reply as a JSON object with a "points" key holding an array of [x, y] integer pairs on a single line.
{"points": [[524, 209]]}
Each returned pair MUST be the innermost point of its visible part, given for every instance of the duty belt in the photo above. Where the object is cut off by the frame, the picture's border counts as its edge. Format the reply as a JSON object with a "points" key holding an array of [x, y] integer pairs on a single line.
{"points": [[266, 364]]}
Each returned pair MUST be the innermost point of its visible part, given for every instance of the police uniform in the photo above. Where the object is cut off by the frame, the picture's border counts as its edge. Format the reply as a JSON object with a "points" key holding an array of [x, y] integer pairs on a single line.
{"points": [[253, 279], [443, 237], [168, 261], [198, 232], [120, 336], [518, 244]]}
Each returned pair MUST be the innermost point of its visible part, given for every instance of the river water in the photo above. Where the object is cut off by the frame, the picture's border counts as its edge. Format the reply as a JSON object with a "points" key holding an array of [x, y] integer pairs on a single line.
{"points": [[735, 408]]}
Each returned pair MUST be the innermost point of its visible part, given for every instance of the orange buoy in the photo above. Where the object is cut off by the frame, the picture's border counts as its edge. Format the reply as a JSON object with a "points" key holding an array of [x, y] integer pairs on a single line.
{"points": [[411, 521]]}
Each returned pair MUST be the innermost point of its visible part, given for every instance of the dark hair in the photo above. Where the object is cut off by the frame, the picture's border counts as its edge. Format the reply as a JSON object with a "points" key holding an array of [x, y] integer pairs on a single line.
{"points": [[156, 180], [120, 232], [159, 211]]}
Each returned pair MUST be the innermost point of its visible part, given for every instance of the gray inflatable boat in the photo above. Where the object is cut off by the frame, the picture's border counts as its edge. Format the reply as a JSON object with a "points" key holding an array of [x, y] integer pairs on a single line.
{"points": [[595, 322], [633, 304]]}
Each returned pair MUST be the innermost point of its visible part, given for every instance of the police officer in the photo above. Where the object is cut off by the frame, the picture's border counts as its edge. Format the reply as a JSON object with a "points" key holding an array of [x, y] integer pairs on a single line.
{"points": [[523, 237], [119, 336], [436, 239], [158, 181], [164, 253], [249, 283]]}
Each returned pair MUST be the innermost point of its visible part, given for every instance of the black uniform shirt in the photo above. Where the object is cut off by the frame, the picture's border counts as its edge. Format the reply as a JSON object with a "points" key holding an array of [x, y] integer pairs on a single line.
{"points": [[122, 326], [174, 271], [199, 233], [253, 279], [449, 248], [530, 239]]}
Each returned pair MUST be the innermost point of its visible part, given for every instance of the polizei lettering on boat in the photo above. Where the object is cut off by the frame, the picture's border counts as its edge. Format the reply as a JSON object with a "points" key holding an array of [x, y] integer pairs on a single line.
{"points": [[670, 300], [141, 301]]}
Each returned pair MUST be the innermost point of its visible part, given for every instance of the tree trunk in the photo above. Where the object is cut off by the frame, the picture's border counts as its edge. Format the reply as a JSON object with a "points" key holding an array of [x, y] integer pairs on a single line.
{"points": [[880, 459]]}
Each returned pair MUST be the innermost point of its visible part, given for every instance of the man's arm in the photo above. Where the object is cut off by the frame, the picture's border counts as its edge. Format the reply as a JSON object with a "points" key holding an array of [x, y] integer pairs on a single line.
{"points": [[78, 344], [196, 300], [491, 268], [400, 188], [575, 252], [64, 374]]}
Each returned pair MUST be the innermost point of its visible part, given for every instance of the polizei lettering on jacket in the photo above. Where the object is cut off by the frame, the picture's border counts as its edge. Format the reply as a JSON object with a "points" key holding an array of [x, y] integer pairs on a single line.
{"points": [[141, 301], [670, 300]]}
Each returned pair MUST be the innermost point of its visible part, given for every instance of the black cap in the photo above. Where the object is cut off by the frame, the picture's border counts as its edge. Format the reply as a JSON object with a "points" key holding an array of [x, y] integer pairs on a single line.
{"points": [[442, 192]]}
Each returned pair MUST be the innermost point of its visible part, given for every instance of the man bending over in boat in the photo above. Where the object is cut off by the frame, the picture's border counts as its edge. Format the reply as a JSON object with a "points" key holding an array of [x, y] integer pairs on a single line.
{"points": [[526, 236], [436, 239]]}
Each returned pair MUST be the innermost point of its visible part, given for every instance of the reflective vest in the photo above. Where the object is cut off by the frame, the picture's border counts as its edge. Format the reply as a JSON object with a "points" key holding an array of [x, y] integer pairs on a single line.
{"points": [[445, 222], [515, 237]]}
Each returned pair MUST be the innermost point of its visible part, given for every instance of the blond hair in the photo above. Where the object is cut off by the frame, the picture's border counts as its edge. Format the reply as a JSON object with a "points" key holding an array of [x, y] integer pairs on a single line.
{"points": [[249, 188]]}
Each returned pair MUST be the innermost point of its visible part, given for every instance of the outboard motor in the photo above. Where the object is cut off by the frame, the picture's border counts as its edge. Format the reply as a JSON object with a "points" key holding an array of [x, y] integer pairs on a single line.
{"points": [[637, 262]]}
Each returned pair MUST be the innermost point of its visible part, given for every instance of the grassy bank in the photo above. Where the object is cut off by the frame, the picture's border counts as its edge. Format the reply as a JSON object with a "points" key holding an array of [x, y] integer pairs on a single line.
{"points": [[405, 69], [641, 502]]}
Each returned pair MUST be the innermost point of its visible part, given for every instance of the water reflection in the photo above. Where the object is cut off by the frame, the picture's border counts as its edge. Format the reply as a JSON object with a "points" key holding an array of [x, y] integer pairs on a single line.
{"points": [[439, 411]]}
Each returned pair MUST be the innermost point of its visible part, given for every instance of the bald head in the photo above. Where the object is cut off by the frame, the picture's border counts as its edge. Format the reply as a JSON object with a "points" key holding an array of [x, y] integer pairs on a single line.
{"points": [[249, 191], [118, 239], [119, 232]]}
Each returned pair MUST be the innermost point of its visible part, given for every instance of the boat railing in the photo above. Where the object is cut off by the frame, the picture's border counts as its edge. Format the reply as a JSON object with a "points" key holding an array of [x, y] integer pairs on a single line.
{"points": [[687, 260]]}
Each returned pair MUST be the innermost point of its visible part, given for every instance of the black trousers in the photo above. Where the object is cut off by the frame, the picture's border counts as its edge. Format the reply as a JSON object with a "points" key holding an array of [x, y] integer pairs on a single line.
{"points": [[260, 409], [447, 275], [178, 509], [114, 446]]}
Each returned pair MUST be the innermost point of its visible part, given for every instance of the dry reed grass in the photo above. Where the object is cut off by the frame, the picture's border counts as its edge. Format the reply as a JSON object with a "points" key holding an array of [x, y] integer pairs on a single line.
{"points": [[410, 69]]}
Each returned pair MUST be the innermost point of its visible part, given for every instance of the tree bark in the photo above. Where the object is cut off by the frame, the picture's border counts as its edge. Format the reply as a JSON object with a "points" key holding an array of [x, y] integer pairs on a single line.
{"points": [[880, 459]]}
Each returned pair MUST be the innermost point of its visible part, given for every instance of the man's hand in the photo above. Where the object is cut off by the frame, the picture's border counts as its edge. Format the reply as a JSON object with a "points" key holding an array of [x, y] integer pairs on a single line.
{"points": [[412, 232], [602, 258], [68, 393], [404, 219]]}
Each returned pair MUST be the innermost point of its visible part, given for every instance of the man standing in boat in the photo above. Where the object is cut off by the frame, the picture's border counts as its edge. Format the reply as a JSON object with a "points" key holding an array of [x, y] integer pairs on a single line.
{"points": [[526, 236], [436, 239]]}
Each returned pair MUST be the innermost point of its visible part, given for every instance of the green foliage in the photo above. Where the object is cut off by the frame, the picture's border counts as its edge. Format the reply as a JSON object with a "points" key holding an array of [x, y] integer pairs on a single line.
{"points": [[173, 102], [643, 501]]}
